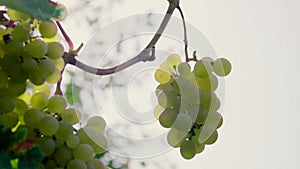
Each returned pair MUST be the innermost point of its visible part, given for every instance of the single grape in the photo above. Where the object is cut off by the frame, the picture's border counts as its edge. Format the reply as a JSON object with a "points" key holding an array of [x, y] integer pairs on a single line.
{"points": [[46, 67], [168, 117], [88, 135], [54, 77], [32, 118], [9, 120], [15, 15], [97, 123], [7, 104], [39, 100], [203, 69], [55, 50], [201, 116], [97, 163], [20, 107], [57, 104], [3, 79], [48, 29], [37, 77], [162, 76], [76, 164], [72, 141], [65, 129], [222, 67], [157, 111], [214, 119], [199, 146], [207, 135], [174, 60], [63, 155], [16, 88], [14, 48], [175, 137], [37, 48], [47, 145], [59, 142], [184, 69], [71, 115], [18, 74], [29, 65], [188, 149], [42, 88], [62, 12], [207, 99], [167, 99], [21, 33], [48, 125], [59, 63], [83, 152], [208, 83]]}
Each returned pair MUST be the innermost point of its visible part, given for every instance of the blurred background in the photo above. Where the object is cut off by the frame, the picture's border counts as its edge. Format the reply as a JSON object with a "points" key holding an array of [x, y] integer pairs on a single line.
{"points": [[261, 39]]}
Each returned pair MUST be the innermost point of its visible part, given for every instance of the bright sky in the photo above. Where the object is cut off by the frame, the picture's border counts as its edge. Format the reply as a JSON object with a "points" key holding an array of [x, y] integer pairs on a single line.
{"points": [[261, 40]]}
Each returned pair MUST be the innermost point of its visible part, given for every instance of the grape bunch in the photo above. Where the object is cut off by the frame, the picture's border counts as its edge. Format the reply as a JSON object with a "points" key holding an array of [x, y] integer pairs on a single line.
{"points": [[31, 59], [187, 102]]}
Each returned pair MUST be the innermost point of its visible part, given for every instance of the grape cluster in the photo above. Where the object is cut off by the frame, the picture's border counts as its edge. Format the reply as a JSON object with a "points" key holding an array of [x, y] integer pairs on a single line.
{"points": [[187, 101], [31, 59]]}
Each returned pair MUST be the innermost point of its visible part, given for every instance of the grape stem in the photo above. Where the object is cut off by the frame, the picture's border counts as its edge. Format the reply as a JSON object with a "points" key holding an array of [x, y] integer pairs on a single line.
{"points": [[147, 54], [67, 38], [187, 59]]}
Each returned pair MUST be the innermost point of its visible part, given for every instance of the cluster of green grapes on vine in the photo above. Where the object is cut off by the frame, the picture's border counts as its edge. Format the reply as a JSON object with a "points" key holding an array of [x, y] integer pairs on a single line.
{"points": [[31, 59], [188, 104]]}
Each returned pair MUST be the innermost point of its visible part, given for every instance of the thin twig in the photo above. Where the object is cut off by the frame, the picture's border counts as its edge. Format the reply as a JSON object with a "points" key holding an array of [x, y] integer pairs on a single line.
{"points": [[185, 35], [67, 38], [144, 55]]}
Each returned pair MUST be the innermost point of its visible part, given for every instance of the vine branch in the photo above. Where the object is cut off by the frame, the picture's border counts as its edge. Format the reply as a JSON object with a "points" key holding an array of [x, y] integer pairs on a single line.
{"points": [[144, 55], [185, 40]]}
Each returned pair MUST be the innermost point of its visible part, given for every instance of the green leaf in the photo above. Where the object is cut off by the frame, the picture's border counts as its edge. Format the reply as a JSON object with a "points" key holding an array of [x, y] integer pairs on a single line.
{"points": [[31, 159], [5, 160], [73, 94], [39, 9]]}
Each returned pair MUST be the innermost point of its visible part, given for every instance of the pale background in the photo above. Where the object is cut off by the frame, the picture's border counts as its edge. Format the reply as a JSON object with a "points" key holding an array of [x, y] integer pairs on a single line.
{"points": [[261, 39]]}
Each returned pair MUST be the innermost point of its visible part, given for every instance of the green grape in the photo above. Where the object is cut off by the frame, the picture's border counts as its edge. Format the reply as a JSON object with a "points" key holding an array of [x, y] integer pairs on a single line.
{"points": [[42, 88], [50, 164], [46, 67], [59, 63], [55, 50], [32, 118], [7, 104], [181, 105], [72, 141], [39, 100], [18, 74], [208, 59], [167, 99], [184, 69], [71, 115], [48, 125], [168, 117], [25, 97], [173, 60], [21, 33], [157, 111], [76, 164], [199, 146], [162, 76], [47, 145], [208, 135], [174, 86], [37, 77], [214, 119], [90, 165], [97, 163], [54, 77], [209, 83], [48, 29], [203, 69], [65, 129], [14, 48], [57, 104], [175, 137], [9, 120], [88, 135], [188, 149], [59, 142], [207, 99], [29, 65], [201, 116], [222, 67], [62, 11], [162, 87], [37, 48], [3, 79], [83, 152], [16, 88], [97, 123], [63, 155], [8, 60], [20, 107], [183, 122]]}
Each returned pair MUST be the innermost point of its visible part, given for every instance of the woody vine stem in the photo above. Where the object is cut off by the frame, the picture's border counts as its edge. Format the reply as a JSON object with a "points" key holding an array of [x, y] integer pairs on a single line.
{"points": [[147, 54]]}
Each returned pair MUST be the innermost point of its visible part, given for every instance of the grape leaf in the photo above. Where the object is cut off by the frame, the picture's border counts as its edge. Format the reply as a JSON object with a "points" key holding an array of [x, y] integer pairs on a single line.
{"points": [[39, 9], [31, 159]]}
